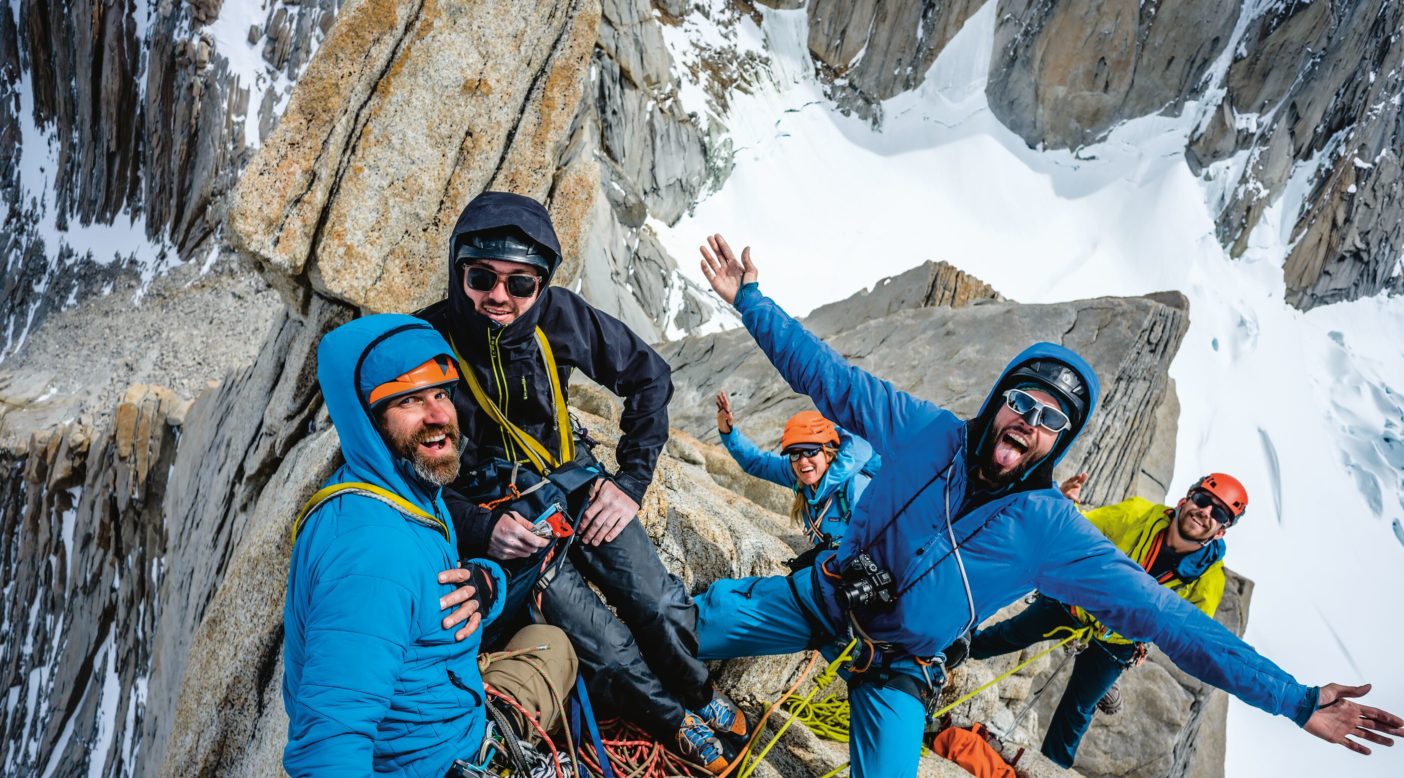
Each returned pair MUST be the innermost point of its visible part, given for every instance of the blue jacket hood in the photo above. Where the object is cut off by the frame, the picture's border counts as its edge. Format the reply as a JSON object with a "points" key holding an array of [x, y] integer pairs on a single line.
{"points": [[854, 456], [979, 426], [352, 360]]}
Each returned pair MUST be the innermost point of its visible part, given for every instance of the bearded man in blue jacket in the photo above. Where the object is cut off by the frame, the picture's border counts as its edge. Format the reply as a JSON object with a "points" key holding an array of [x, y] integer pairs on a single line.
{"points": [[962, 520], [373, 682]]}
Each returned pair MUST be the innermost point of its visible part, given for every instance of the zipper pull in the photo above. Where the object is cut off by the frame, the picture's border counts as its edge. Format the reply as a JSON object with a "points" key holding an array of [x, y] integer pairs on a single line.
{"points": [[524, 389]]}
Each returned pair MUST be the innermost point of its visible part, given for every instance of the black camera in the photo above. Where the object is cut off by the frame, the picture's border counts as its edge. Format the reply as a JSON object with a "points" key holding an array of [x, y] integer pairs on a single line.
{"points": [[865, 585]]}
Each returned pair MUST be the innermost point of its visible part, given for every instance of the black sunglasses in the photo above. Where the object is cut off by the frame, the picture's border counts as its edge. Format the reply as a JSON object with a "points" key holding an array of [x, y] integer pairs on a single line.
{"points": [[1037, 414], [1218, 512], [485, 279], [796, 453]]}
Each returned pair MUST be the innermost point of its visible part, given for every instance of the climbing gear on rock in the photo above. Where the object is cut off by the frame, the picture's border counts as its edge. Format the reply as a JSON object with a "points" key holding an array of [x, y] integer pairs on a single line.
{"points": [[971, 749], [808, 427]]}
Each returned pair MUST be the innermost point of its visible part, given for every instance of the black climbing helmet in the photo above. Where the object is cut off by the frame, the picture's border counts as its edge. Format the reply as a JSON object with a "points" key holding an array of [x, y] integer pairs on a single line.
{"points": [[1060, 380], [509, 244]]}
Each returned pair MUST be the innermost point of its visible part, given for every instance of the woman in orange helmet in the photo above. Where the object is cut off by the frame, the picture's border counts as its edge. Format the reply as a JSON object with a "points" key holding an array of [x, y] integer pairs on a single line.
{"points": [[826, 466]]}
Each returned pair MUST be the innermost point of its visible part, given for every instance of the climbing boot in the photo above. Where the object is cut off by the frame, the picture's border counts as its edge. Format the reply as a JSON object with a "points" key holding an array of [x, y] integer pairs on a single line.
{"points": [[722, 715], [1111, 701], [699, 744]]}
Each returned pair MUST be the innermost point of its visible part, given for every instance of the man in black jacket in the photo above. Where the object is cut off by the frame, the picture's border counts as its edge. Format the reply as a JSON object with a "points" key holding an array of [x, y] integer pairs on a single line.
{"points": [[517, 340]]}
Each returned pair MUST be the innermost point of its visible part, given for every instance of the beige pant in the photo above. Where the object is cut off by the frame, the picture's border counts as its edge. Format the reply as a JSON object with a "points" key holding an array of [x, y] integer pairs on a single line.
{"points": [[537, 669]]}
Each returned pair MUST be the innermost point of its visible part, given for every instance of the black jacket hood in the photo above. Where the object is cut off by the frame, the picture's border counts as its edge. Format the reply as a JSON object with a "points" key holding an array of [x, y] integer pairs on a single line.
{"points": [[491, 211]]}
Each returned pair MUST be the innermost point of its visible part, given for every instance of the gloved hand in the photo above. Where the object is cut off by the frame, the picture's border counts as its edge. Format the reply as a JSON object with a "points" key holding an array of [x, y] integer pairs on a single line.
{"points": [[474, 596]]}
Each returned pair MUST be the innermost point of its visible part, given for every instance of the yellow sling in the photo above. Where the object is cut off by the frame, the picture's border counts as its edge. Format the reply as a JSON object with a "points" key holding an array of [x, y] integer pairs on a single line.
{"points": [[538, 454], [374, 492]]}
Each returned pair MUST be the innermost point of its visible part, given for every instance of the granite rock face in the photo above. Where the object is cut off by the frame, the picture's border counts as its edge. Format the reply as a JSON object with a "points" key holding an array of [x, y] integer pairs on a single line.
{"points": [[127, 117], [369, 168], [1316, 85], [871, 50], [1063, 74]]}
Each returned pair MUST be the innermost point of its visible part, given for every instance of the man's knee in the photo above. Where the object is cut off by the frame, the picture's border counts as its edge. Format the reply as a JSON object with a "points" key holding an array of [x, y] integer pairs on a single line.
{"points": [[536, 669]]}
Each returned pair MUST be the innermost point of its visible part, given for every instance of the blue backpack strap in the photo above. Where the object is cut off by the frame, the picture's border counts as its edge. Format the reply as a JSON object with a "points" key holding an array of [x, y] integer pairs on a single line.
{"points": [[582, 710]]}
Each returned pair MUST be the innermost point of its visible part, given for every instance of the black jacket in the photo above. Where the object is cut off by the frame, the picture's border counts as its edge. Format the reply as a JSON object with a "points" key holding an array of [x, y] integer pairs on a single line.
{"points": [[581, 337]]}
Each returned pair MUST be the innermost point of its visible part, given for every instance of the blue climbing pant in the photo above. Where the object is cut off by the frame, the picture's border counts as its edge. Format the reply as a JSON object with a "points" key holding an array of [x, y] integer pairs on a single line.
{"points": [[1094, 671], [773, 615]]}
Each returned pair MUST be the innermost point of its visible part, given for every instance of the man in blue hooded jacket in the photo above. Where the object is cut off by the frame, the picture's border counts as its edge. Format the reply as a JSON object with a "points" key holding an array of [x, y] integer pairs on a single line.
{"points": [[372, 680], [962, 520]]}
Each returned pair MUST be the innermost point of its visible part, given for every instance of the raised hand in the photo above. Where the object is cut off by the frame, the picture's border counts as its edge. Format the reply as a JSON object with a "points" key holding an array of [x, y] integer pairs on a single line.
{"points": [[1072, 488], [723, 270], [1338, 719], [724, 419]]}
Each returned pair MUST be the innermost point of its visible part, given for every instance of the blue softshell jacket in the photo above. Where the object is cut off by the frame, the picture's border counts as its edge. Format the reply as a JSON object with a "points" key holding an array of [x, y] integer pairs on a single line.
{"points": [[367, 665], [1027, 537], [843, 483]]}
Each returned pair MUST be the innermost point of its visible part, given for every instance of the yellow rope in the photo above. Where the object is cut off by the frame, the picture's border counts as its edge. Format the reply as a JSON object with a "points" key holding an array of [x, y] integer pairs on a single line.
{"points": [[1073, 634], [825, 677], [829, 718]]}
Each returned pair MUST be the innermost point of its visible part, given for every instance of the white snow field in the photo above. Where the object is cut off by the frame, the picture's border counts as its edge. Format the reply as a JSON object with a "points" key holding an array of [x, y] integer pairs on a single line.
{"points": [[1298, 405]]}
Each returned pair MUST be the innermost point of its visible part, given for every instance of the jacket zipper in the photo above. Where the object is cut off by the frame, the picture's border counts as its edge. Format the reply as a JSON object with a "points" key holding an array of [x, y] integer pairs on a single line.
{"points": [[499, 381]]}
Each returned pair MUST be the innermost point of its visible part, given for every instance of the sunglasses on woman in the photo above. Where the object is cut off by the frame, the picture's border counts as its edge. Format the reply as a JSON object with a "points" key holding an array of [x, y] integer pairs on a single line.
{"points": [[796, 453], [1038, 414], [1216, 511], [484, 279]]}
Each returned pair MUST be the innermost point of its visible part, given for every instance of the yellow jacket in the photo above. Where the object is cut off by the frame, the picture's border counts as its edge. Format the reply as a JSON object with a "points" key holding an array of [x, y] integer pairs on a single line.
{"points": [[1137, 527]]}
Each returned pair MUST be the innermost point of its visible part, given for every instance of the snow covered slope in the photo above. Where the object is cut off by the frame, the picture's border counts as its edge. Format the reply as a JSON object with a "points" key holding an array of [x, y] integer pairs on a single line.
{"points": [[1304, 407]]}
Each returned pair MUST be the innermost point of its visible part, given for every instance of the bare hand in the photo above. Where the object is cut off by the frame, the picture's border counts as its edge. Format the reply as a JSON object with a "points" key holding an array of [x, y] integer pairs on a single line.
{"points": [[724, 420], [1338, 717], [512, 538], [723, 271], [1072, 488], [610, 509], [466, 600]]}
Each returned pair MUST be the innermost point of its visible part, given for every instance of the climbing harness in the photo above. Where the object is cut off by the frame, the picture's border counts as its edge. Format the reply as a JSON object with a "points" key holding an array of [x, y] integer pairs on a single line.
{"points": [[542, 460], [405, 507]]}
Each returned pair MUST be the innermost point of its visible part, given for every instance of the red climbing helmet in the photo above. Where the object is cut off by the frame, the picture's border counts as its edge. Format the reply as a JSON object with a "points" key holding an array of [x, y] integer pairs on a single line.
{"points": [[1227, 490]]}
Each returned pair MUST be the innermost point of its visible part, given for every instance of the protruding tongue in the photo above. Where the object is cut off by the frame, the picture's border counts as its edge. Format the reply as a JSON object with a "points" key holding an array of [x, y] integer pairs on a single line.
{"points": [[1006, 454]]}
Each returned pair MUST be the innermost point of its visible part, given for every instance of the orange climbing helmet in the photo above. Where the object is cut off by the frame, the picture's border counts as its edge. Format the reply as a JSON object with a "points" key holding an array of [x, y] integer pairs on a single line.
{"points": [[809, 427], [438, 371], [1227, 490]]}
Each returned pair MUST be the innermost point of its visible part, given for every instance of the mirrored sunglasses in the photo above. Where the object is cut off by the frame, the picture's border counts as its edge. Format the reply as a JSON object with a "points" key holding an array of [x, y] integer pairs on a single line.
{"points": [[796, 453], [485, 279], [1038, 414]]}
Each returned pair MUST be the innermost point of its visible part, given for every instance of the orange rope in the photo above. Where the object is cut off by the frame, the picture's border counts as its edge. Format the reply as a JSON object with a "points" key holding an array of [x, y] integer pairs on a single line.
{"points": [[545, 738]]}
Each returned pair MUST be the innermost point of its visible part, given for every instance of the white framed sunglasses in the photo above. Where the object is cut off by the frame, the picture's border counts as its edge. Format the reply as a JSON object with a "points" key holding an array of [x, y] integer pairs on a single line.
{"points": [[1049, 417]]}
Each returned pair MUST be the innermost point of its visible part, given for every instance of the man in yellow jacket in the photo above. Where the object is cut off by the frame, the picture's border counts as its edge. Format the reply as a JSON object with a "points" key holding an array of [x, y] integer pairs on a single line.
{"points": [[1181, 547]]}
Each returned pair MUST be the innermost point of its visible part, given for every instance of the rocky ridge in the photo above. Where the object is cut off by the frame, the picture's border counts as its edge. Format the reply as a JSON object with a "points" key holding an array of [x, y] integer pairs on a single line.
{"points": [[1281, 89], [149, 537]]}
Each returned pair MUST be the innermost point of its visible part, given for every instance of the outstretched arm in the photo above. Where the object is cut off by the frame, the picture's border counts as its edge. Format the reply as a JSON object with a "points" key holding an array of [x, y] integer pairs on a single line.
{"points": [[854, 398], [1081, 566]]}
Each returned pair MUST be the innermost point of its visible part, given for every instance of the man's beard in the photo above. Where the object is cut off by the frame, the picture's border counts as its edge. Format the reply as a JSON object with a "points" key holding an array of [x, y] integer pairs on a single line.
{"points": [[991, 475], [440, 471]]}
